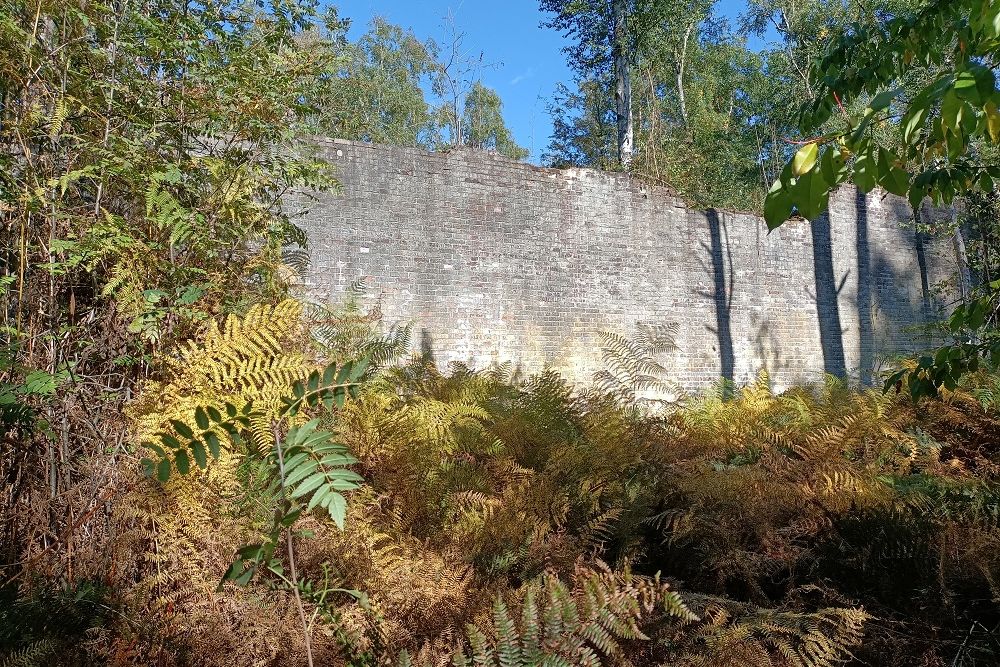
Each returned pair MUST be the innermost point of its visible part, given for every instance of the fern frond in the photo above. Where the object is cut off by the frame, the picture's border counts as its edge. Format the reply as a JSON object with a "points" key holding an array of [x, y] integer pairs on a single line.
{"points": [[579, 625], [35, 654]]}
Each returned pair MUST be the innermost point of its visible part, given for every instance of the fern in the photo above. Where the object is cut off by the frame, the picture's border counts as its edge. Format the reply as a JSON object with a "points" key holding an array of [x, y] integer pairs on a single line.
{"points": [[349, 332], [631, 370], [823, 638], [307, 464], [36, 654], [582, 625], [242, 373]]}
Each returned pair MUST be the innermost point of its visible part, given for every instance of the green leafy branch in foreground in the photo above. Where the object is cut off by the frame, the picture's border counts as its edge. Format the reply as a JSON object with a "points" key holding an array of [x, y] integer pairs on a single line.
{"points": [[306, 467], [205, 438], [948, 41], [973, 324], [945, 130]]}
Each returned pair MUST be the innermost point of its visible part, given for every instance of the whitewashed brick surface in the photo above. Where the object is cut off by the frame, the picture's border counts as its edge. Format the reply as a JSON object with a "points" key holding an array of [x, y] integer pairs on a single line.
{"points": [[494, 260]]}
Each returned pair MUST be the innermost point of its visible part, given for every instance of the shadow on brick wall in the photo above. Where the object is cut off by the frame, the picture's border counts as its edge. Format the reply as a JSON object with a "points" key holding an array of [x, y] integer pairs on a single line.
{"points": [[426, 347], [722, 294], [925, 290], [866, 324], [899, 313], [766, 348], [827, 291]]}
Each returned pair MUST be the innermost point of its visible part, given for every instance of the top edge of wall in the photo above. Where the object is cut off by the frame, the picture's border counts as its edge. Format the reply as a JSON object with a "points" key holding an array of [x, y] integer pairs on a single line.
{"points": [[628, 181], [658, 192]]}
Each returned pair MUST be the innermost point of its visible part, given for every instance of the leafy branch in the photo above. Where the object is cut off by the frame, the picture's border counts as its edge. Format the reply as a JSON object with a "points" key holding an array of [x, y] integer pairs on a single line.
{"points": [[307, 468]]}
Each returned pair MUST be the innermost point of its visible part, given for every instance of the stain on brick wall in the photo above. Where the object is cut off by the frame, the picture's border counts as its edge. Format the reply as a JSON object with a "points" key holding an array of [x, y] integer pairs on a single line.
{"points": [[493, 261]]}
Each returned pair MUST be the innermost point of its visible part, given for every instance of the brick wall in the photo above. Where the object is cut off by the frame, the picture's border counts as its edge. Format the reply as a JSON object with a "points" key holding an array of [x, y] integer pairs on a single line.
{"points": [[493, 260]]}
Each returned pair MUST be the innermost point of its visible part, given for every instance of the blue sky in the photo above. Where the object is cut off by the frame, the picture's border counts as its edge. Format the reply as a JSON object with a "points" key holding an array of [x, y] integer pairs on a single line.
{"points": [[528, 60]]}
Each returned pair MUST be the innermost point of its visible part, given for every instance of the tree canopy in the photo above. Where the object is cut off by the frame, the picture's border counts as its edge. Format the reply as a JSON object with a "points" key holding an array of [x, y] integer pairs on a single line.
{"points": [[391, 87]]}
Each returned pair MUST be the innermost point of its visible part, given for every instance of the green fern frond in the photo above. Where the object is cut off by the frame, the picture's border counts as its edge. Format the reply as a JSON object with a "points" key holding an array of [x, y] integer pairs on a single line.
{"points": [[35, 654], [579, 625]]}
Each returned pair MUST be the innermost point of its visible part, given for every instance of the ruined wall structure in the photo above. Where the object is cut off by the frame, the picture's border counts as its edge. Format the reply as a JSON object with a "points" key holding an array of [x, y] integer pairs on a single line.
{"points": [[494, 260]]}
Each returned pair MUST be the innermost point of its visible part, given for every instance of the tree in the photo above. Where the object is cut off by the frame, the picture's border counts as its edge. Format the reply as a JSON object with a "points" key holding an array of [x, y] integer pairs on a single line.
{"points": [[607, 36], [145, 150], [483, 124], [375, 89], [707, 112], [947, 133], [392, 88], [583, 132]]}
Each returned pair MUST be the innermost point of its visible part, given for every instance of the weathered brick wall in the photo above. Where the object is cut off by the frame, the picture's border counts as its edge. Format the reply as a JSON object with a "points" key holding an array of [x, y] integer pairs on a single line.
{"points": [[493, 260]]}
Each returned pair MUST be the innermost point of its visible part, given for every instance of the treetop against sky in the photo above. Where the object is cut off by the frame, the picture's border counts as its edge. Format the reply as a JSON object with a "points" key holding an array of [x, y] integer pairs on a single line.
{"points": [[527, 58]]}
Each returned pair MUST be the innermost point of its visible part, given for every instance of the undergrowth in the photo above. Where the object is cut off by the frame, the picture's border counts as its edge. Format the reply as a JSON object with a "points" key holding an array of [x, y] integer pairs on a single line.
{"points": [[521, 521]]}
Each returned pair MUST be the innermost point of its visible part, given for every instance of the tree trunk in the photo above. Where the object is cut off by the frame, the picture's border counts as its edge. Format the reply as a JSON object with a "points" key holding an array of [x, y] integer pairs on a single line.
{"points": [[623, 84], [962, 259], [680, 76]]}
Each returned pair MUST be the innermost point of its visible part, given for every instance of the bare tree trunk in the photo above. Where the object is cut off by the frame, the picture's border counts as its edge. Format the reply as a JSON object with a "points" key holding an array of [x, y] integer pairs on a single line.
{"points": [[680, 75], [623, 84]]}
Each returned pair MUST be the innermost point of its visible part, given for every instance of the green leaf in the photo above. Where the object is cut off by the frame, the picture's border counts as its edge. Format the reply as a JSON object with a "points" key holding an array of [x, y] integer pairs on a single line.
{"points": [[244, 578], [235, 569], [340, 396], [156, 448], [200, 455], [811, 195], [976, 84], [201, 417], [182, 428], [866, 172], [884, 99], [183, 462], [777, 205], [913, 122], [190, 294], [299, 473], [290, 518], [952, 111], [805, 159], [40, 383], [345, 475], [834, 167], [163, 470], [891, 177], [358, 369], [336, 505], [214, 446], [992, 121], [318, 497], [310, 484]]}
